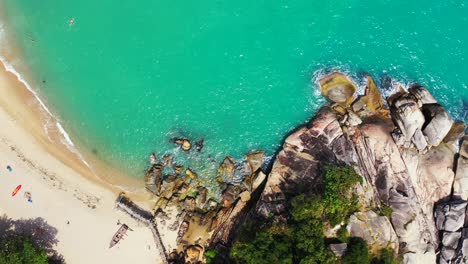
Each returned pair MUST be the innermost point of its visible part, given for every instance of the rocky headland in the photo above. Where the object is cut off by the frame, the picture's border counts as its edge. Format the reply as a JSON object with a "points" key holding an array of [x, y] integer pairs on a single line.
{"points": [[412, 198]]}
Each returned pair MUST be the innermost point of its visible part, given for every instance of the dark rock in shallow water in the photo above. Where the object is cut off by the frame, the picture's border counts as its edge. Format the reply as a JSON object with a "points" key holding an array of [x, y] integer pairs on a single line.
{"points": [[199, 145], [183, 143]]}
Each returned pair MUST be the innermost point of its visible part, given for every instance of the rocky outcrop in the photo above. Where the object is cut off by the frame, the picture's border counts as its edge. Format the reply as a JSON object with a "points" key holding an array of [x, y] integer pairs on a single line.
{"points": [[405, 148], [299, 165], [381, 164], [450, 221], [406, 155]]}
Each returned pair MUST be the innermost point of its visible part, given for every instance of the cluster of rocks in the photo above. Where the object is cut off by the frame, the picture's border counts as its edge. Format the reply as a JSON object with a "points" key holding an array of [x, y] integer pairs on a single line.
{"points": [[177, 187], [404, 148], [451, 215]]}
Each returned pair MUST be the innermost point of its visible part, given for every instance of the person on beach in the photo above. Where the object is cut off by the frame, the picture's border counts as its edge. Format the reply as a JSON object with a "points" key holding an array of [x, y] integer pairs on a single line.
{"points": [[9, 168]]}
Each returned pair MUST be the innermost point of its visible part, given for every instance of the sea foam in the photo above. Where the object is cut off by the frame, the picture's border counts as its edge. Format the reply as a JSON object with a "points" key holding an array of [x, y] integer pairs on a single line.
{"points": [[65, 138]]}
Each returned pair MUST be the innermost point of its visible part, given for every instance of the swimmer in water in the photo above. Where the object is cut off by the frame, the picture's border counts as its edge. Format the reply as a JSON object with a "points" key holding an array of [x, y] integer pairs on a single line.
{"points": [[71, 22]]}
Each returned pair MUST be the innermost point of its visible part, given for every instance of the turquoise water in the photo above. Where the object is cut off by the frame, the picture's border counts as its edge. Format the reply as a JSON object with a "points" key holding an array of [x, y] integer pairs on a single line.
{"points": [[128, 76]]}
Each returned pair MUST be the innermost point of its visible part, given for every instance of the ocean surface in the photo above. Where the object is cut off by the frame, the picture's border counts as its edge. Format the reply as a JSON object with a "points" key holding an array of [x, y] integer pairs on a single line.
{"points": [[129, 75]]}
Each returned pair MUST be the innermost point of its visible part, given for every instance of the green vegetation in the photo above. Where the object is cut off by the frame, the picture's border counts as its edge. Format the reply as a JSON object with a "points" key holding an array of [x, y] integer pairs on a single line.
{"points": [[386, 211], [338, 197], [357, 252], [343, 235], [301, 240], [210, 255], [20, 250], [386, 256]]}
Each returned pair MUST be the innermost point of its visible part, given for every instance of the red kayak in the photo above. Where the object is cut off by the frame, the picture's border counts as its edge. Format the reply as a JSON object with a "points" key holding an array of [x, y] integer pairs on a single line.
{"points": [[16, 190]]}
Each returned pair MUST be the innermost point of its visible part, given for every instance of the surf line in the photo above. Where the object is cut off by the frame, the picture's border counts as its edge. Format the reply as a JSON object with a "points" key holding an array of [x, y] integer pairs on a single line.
{"points": [[65, 137]]}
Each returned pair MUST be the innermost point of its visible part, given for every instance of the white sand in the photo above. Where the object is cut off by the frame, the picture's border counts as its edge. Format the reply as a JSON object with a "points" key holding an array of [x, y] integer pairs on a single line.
{"points": [[60, 193]]}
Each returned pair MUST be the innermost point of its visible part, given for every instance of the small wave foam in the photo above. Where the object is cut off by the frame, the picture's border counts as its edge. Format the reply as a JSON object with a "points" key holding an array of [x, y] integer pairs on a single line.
{"points": [[65, 137]]}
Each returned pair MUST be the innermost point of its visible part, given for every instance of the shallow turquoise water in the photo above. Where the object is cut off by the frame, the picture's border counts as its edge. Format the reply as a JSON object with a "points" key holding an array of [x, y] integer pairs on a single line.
{"points": [[128, 76]]}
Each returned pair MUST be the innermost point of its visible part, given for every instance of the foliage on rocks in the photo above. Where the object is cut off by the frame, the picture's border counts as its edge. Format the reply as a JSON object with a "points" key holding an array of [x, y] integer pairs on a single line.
{"points": [[302, 240]]}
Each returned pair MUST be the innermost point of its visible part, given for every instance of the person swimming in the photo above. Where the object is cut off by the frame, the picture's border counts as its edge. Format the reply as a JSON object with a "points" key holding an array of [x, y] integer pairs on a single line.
{"points": [[71, 22]]}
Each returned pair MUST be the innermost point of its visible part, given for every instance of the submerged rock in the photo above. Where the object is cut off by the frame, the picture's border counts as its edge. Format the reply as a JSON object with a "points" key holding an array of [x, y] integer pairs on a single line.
{"points": [[153, 159], [168, 160], [337, 88], [199, 145], [178, 169], [190, 174]]}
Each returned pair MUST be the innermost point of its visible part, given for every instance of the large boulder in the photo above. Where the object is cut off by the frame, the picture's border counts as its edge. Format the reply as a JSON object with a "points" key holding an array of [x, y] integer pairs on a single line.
{"points": [[422, 95], [376, 230], [380, 162], [255, 160], [450, 216], [372, 102], [299, 165], [407, 115], [438, 123], [337, 88]]}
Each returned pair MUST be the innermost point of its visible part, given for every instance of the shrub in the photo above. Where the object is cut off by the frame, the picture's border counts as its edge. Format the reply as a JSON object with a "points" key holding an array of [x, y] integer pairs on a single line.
{"points": [[386, 211], [302, 239], [357, 252], [343, 235], [339, 199], [272, 245], [210, 254], [19, 250], [386, 256]]}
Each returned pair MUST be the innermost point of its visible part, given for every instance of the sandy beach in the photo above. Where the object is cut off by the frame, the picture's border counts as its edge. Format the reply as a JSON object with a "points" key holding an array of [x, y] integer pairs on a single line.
{"points": [[65, 193]]}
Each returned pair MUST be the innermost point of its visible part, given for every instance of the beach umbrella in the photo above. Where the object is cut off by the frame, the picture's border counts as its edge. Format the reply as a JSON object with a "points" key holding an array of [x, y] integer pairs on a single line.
{"points": [[16, 190]]}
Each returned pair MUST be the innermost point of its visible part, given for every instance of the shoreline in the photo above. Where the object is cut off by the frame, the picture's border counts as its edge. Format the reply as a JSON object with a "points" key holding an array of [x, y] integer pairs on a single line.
{"points": [[76, 206], [72, 191], [24, 103]]}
